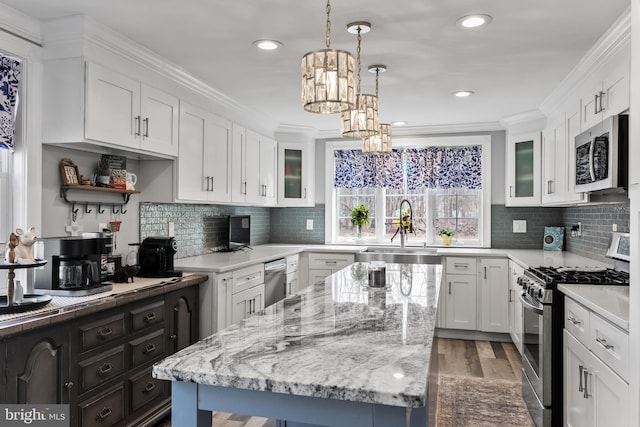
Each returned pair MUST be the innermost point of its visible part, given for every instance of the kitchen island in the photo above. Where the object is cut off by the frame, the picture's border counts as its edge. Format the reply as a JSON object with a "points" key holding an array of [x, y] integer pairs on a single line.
{"points": [[339, 353]]}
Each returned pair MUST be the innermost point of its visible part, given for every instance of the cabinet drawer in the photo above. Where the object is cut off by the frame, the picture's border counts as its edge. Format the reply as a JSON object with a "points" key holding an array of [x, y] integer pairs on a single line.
{"points": [[610, 344], [147, 348], [247, 278], [105, 411], [576, 320], [292, 264], [148, 315], [144, 388], [461, 265], [101, 332], [98, 370], [330, 261]]}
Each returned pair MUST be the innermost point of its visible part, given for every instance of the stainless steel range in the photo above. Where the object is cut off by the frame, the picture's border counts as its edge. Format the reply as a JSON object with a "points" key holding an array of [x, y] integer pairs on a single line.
{"points": [[543, 310]]}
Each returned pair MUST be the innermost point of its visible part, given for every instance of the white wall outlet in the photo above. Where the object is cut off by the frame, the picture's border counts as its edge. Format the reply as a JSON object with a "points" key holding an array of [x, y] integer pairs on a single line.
{"points": [[614, 227], [172, 231], [519, 225], [309, 224]]}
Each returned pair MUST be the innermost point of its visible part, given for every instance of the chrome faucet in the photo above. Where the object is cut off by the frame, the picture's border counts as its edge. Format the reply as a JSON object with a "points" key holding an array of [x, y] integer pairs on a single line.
{"points": [[402, 229]]}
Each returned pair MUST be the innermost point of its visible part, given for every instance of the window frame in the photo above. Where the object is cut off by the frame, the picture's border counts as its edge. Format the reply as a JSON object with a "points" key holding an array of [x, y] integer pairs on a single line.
{"points": [[331, 212]]}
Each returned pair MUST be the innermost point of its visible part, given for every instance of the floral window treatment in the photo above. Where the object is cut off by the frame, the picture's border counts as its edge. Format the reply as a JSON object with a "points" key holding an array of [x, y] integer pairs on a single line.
{"points": [[9, 78], [431, 168]]}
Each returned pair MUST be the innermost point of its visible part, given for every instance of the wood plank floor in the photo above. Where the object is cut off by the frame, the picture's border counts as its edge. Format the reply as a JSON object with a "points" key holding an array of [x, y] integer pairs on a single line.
{"points": [[482, 359]]}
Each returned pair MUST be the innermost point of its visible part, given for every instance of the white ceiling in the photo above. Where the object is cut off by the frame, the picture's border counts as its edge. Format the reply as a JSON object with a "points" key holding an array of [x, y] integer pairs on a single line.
{"points": [[512, 65]]}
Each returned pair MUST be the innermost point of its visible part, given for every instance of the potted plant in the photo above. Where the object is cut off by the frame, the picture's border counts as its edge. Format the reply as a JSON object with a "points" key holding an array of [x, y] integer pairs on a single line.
{"points": [[103, 173], [446, 235], [360, 217]]}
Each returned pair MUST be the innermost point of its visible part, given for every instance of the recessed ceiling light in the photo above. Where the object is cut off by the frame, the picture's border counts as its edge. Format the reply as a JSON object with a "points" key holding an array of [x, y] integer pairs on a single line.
{"points": [[463, 93], [267, 44], [473, 21], [398, 123]]}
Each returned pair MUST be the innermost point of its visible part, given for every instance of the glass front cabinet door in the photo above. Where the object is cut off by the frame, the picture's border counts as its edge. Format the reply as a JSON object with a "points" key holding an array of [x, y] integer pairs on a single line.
{"points": [[295, 175], [523, 170]]}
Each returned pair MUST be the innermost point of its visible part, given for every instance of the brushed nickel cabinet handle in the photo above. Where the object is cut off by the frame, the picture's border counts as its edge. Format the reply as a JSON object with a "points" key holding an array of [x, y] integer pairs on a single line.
{"points": [[104, 369], [449, 288], [604, 343], [595, 104], [150, 317], [149, 349], [586, 394], [104, 414], [104, 333], [137, 131], [580, 369], [573, 320], [146, 127], [602, 94], [485, 273]]}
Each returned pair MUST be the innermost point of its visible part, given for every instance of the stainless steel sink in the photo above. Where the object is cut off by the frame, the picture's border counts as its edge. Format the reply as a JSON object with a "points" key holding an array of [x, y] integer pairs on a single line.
{"points": [[406, 255]]}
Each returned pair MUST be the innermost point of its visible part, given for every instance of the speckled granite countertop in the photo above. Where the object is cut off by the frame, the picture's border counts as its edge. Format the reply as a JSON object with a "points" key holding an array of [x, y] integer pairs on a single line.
{"points": [[337, 339], [610, 302], [64, 308]]}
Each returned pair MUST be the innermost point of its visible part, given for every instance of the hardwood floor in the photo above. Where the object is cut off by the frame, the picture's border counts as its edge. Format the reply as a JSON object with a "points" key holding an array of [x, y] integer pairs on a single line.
{"points": [[481, 359]]}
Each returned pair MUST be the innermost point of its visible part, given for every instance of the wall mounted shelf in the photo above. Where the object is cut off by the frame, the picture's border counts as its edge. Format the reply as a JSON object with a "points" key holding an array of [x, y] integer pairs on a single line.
{"points": [[116, 207]]}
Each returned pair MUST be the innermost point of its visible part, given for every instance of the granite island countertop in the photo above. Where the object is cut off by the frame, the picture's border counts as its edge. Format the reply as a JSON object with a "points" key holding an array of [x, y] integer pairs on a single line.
{"points": [[336, 339]]}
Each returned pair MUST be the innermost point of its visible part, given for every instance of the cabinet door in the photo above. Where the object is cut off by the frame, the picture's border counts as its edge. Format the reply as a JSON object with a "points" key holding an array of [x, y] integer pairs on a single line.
{"points": [[554, 167], [610, 396], [515, 305], [493, 299], [615, 84], [252, 179], [523, 170], [246, 303], [576, 360], [294, 175], [217, 157], [268, 165], [591, 102], [191, 180], [159, 112], [318, 275], [238, 165], [460, 301], [182, 316], [38, 368], [112, 108]]}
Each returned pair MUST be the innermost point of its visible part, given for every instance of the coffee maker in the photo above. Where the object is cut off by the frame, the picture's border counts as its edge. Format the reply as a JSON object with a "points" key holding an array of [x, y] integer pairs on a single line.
{"points": [[74, 266], [156, 257]]}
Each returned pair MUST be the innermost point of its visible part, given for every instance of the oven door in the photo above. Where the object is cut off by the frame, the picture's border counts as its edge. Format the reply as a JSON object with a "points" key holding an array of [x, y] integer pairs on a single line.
{"points": [[536, 348]]}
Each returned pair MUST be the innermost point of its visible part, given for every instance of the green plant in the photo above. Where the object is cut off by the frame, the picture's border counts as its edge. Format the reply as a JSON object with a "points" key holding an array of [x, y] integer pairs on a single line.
{"points": [[102, 168], [360, 216], [447, 232]]}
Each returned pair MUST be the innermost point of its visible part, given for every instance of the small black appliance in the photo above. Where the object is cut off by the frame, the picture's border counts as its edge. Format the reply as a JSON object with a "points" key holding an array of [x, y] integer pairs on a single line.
{"points": [[156, 257]]}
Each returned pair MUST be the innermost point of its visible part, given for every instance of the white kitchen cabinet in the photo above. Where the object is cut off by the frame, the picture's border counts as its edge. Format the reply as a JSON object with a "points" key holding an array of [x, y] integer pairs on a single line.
{"points": [[292, 274], [554, 165], [493, 294], [607, 92], [523, 178], [460, 299], [295, 174], [322, 265], [253, 167], [594, 394], [246, 302], [205, 151], [515, 305]]}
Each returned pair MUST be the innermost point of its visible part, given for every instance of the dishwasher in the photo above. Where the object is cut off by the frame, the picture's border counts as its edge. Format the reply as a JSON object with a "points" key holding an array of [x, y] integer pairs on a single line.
{"points": [[275, 281]]}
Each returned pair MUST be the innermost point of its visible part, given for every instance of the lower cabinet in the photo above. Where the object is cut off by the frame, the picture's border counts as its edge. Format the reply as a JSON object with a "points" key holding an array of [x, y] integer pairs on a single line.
{"points": [[323, 265], [515, 305], [100, 364], [460, 302], [246, 302], [493, 295]]}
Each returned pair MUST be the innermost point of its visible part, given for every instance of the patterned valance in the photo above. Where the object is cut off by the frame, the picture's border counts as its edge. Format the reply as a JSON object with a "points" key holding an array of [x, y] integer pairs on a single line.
{"points": [[430, 167], [9, 75]]}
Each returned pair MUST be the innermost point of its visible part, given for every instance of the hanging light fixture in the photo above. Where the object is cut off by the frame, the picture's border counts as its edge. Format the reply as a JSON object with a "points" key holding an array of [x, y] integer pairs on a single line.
{"points": [[328, 78], [362, 120], [380, 143]]}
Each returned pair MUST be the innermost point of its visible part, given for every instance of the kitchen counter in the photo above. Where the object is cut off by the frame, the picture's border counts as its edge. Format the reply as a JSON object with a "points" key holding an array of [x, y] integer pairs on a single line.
{"points": [[220, 262], [64, 308], [610, 302], [338, 342]]}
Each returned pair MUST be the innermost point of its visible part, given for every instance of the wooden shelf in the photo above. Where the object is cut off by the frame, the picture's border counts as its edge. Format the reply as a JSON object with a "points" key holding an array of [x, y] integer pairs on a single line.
{"points": [[104, 189]]}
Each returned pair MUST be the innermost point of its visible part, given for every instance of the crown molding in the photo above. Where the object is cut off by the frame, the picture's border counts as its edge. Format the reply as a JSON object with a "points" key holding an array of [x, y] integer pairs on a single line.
{"points": [[523, 119], [427, 129], [617, 37], [78, 30], [20, 25]]}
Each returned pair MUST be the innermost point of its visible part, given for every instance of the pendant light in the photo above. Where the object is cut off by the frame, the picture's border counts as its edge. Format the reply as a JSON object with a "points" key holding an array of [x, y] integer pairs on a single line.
{"points": [[328, 78], [380, 143], [362, 120]]}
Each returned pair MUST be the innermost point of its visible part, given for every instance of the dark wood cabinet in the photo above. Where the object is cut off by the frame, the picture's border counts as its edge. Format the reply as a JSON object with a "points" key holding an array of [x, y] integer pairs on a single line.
{"points": [[100, 364]]}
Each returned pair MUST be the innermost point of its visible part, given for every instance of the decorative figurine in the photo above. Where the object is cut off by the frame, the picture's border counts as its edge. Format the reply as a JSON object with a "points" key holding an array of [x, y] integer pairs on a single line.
{"points": [[11, 248], [24, 250]]}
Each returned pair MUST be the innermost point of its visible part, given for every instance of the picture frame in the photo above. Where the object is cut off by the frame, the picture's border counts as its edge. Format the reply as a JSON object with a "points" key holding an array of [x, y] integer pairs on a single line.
{"points": [[69, 172]]}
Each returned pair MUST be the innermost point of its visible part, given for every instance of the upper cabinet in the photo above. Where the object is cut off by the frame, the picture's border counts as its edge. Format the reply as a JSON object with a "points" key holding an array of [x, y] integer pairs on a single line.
{"points": [[253, 170], [295, 174], [606, 92], [523, 169], [205, 154], [89, 103]]}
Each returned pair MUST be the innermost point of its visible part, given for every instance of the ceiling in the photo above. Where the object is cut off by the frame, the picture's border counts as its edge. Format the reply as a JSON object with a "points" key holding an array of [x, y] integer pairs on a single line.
{"points": [[512, 64]]}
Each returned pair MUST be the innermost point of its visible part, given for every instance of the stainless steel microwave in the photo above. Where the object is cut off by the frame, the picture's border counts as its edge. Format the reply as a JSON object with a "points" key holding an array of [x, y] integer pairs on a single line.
{"points": [[602, 155]]}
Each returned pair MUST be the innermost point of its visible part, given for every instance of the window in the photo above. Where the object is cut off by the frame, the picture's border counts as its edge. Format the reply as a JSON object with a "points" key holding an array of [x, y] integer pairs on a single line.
{"points": [[464, 208]]}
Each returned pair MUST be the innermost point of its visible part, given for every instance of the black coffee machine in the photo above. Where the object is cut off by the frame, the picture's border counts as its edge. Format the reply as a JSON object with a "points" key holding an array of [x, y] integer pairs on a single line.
{"points": [[74, 266], [156, 257]]}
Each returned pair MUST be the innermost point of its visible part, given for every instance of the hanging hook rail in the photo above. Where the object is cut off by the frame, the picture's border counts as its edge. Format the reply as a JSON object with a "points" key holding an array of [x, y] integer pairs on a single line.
{"points": [[116, 207]]}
